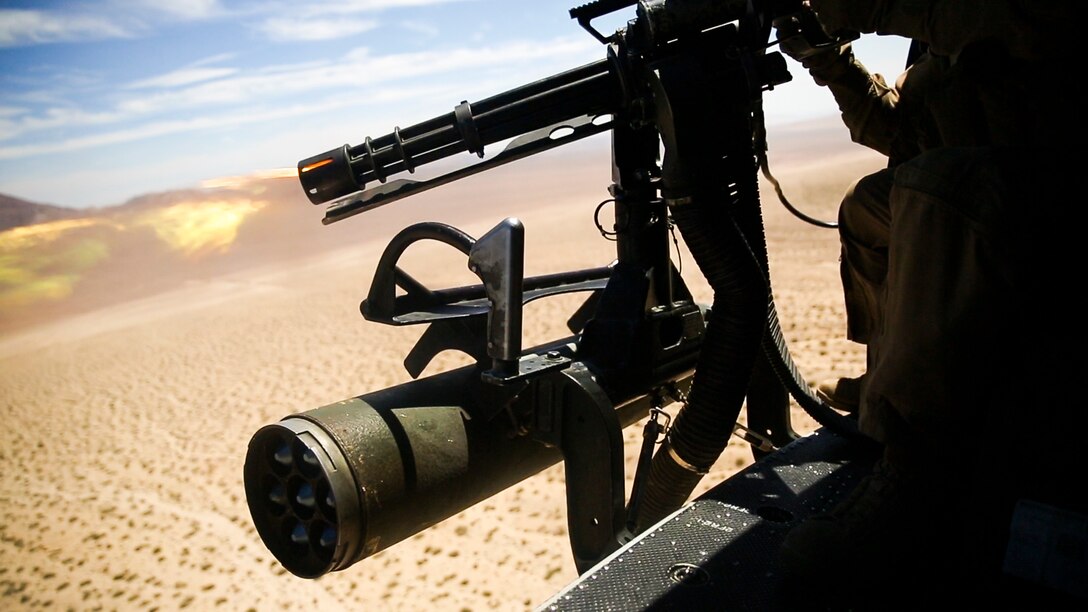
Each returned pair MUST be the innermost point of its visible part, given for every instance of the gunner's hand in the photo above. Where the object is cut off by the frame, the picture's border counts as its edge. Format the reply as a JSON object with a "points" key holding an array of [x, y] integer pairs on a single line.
{"points": [[802, 37], [801, 34]]}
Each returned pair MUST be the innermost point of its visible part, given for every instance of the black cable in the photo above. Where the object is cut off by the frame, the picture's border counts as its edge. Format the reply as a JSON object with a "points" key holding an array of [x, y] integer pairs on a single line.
{"points": [[761, 156], [759, 144]]}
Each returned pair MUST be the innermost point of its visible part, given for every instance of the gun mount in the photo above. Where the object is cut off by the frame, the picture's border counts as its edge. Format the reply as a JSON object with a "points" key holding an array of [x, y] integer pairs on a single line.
{"points": [[329, 487]]}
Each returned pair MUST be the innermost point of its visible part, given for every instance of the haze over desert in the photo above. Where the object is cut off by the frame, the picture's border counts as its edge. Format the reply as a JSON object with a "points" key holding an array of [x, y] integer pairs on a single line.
{"points": [[141, 348]]}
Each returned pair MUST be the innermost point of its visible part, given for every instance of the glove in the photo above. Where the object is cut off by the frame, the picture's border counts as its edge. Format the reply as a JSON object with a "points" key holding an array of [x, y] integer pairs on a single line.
{"points": [[830, 65], [800, 34], [804, 39]]}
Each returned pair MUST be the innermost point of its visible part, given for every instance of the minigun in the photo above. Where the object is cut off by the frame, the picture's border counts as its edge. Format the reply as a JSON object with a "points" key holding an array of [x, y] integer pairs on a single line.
{"points": [[331, 486]]}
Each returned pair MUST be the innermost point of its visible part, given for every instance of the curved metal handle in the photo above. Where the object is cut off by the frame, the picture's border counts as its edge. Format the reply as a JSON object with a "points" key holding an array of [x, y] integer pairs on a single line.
{"points": [[380, 303]]}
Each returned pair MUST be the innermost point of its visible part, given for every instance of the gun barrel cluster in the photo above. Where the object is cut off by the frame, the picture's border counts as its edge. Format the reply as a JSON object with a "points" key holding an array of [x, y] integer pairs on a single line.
{"points": [[594, 89], [587, 90]]}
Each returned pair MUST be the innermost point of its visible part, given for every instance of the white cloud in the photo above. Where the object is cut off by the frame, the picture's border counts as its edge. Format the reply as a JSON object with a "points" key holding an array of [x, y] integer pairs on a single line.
{"points": [[351, 7], [428, 30], [195, 72], [124, 135], [215, 59], [26, 27], [275, 92], [323, 20], [182, 77], [57, 117], [129, 18], [117, 19], [184, 9], [235, 118], [358, 69], [282, 30]]}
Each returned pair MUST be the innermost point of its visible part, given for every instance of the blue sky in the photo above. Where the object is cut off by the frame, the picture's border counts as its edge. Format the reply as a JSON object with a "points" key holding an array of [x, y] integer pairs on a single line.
{"points": [[103, 101]]}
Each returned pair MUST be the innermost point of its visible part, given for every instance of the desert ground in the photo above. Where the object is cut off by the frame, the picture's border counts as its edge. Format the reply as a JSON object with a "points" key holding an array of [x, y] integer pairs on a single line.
{"points": [[126, 425]]}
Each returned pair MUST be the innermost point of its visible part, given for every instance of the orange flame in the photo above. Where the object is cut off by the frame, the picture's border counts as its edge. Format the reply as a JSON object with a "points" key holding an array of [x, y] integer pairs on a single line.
{"points": [[34, 268], [30, 236], [199, 228], [236, 182]]}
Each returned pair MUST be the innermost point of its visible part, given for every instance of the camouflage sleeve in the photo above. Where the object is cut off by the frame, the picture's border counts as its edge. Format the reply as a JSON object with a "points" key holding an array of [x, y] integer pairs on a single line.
{"points": [[1028, 29], [867, 103]]}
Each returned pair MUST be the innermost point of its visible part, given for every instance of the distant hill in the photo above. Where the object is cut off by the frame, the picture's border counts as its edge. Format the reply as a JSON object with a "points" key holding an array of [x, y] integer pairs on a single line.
{"points": [[15, 212]]}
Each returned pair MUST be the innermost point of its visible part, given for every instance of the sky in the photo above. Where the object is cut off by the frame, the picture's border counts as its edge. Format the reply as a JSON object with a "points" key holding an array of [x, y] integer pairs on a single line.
{"points": [[101, 101]]}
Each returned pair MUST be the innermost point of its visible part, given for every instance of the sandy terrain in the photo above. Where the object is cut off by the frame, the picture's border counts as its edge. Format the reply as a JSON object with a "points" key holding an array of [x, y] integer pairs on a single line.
{"points": [[126, 427]]}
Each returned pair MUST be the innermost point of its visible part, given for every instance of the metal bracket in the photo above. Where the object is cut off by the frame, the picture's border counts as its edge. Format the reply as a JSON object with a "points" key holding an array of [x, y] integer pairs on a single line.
{"points": [[498, 258], [573, 412], [457, 315], [586, 13]]}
